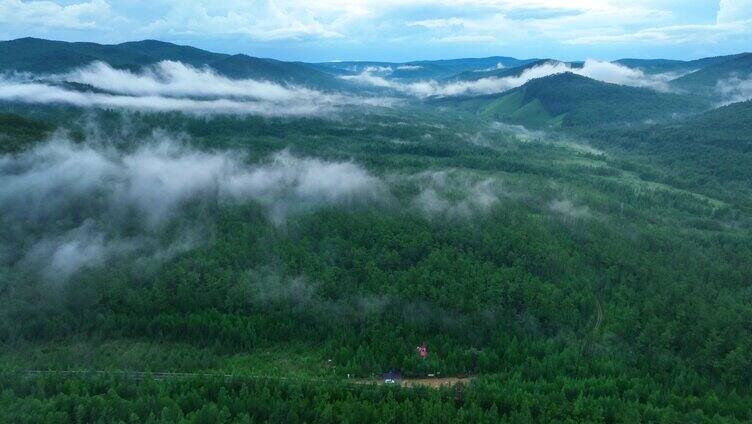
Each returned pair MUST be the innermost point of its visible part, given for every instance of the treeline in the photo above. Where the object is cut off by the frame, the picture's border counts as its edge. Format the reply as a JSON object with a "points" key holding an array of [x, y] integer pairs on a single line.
{"points": [[107, 398]]}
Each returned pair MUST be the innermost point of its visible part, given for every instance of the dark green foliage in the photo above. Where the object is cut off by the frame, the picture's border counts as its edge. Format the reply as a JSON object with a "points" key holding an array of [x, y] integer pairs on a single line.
{"points": [[572, 101], [601, 286], [705, 80], [44, 56], [713, 150], [17, 132], [512, 399]]}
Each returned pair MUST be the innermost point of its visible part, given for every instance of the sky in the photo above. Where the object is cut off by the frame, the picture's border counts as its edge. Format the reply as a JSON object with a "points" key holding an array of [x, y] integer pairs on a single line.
{"points": [[400, 30]]}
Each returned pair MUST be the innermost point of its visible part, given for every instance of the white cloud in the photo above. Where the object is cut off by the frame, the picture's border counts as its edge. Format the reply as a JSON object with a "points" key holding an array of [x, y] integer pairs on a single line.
{"points": [[735, 89], [618, 74], [569, 209], [59, 256], [27, 92], [377, 69], [163, 174], [290, 183], [438, 23], [669, 34], [260, 20], [497, 67], [173, 86], [734, 18], [74, 204], [466, 38], [734, 11], [602, 71], [338, 23], [451, 194], [507, 22], [175, 79], [84, 15]]}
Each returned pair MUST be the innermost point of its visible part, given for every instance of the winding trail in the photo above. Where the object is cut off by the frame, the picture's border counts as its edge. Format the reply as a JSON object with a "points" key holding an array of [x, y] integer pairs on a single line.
{"points": [[599, 315], [588, 342]]}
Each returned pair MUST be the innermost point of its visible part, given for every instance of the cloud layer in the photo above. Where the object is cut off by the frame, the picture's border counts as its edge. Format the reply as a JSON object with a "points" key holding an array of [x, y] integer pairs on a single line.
{"points": [[602, 71], [66, 206], [735, 89], [451, 194], [174, 86], [395, 30]]}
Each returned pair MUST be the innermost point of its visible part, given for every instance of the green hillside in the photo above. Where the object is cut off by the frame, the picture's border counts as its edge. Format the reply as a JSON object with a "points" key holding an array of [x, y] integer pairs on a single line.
{"points": [[712, 146], [729, 125], [706, 79], [243, 66], [569, 100], [44, 57]]}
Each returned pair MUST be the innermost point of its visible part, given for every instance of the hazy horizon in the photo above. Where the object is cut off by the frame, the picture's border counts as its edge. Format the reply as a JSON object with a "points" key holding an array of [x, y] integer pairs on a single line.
{"points": [[365, 30], [417, 59]]}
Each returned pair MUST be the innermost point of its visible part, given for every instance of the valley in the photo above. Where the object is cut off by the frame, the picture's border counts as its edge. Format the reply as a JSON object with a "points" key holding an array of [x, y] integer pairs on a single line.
{"points": [[189, 235]]}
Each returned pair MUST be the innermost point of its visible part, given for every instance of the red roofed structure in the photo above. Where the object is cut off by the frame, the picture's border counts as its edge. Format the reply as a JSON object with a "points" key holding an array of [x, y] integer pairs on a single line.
{"points": [[422, 350]]}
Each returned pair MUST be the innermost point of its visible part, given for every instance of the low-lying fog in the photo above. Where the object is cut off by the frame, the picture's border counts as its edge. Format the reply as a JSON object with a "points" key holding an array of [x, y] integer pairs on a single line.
{"points": [[602, 71], [174, 86], [73, 205]]}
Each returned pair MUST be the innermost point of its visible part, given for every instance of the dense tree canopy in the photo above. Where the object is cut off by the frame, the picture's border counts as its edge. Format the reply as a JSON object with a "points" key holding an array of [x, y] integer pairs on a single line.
{"points": [[571, 283]]}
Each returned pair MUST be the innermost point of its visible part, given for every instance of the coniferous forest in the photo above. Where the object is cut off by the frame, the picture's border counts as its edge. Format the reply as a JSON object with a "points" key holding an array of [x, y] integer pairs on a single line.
{"points": [[162, 265]]}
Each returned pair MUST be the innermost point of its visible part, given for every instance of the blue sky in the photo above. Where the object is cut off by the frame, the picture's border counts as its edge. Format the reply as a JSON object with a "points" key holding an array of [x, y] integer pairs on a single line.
{"points": [[400, 30]]}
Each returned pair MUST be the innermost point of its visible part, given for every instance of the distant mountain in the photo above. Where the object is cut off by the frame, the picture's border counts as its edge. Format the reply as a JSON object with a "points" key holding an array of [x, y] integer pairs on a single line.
{"points": [[160, 50], [705, 80], [243, 66], [45, 57], [569, 100], [423, 69], [510, 71], [455, 66], [658, 66]]}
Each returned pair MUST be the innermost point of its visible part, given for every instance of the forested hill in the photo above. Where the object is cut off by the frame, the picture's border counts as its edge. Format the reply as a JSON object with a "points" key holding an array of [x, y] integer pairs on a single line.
{"points": [[46, 57], [655, 66], [729, 125], [714, 147], [426, 69], [706, 79], [508, 71], [569, 100]]}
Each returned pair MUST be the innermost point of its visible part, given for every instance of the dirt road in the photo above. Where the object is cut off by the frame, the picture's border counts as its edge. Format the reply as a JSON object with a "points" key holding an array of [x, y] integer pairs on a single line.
{"points": [[434, 383]]}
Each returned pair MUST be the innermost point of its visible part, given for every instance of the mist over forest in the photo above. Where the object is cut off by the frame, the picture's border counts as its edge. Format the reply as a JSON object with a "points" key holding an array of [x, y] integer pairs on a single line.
{"points": [[204, 237]]}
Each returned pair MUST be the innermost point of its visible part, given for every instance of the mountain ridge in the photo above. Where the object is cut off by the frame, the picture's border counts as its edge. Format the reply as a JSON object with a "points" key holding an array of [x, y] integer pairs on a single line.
{"points": [[570, 100]]}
